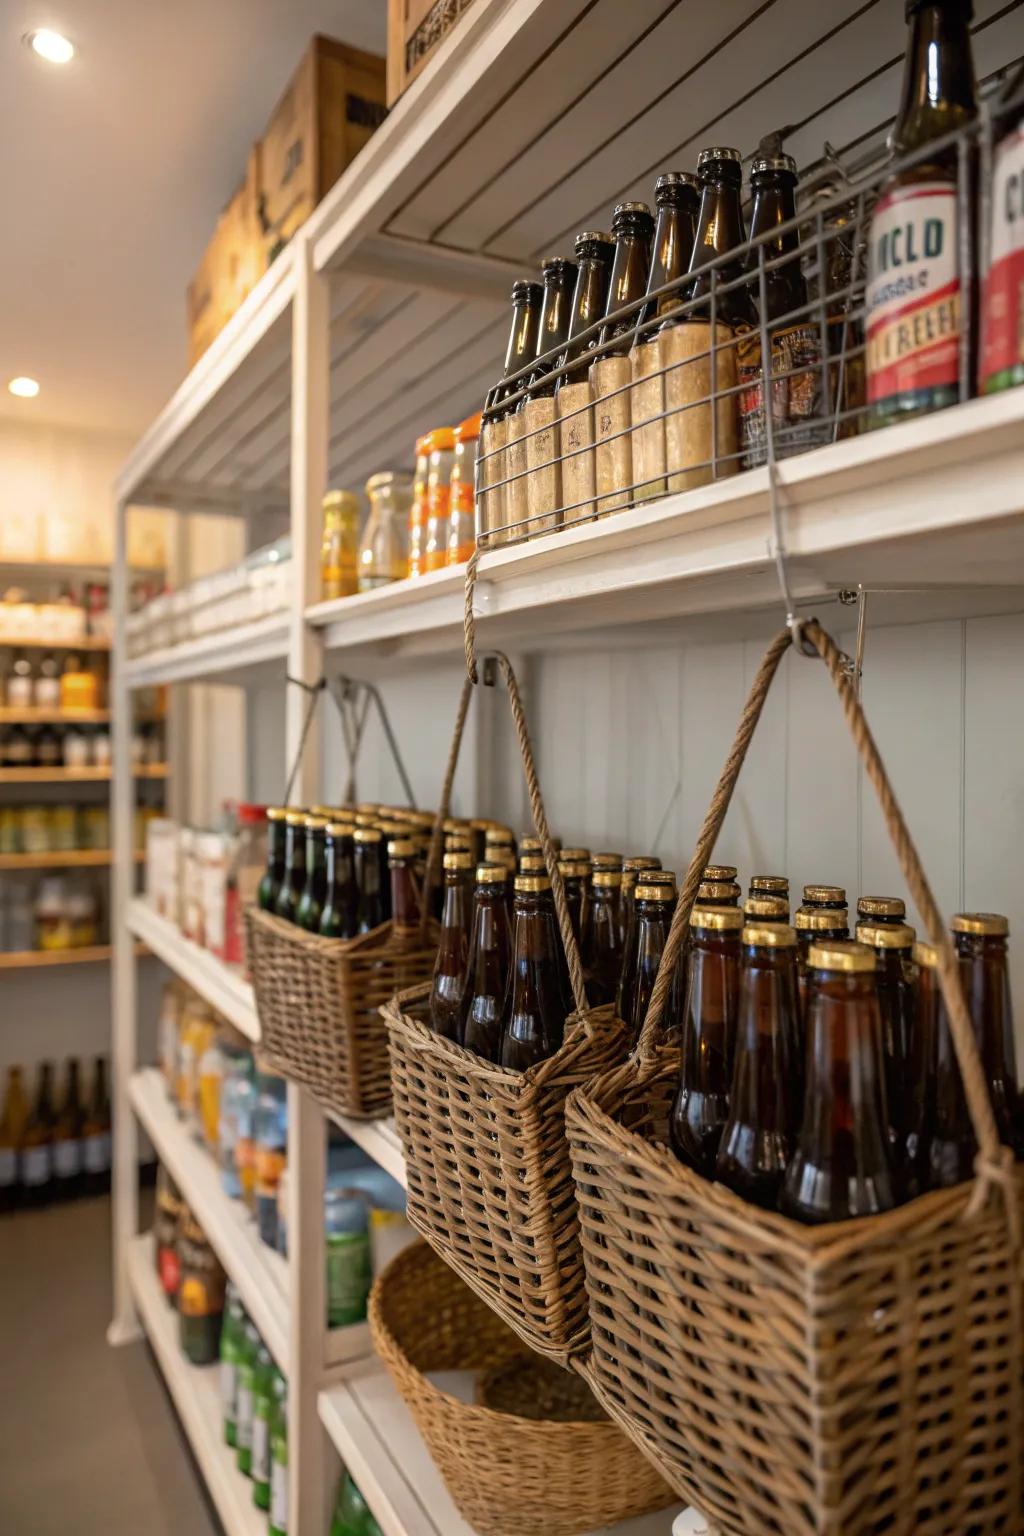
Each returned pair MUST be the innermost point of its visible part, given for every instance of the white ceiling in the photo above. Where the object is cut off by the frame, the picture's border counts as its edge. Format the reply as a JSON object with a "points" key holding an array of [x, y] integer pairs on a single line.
{"points": [[113, 172]]}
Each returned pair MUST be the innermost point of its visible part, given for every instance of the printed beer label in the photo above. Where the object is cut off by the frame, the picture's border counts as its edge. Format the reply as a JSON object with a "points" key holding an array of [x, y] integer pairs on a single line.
{"points": [[913, 294], [1002, 325]]}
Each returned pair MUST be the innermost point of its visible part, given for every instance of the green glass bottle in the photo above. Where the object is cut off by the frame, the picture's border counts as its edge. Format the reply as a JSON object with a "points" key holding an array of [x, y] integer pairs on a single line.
{"points": [[277, 1523], [293, 881], [263, 1409], [231, 1330], [270, 883], [314, 892], [249, 1345], [352, 1515]]}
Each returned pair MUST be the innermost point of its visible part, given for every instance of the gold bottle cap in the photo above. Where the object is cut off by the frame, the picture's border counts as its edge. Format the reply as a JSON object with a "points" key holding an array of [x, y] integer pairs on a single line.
{"points": [[322, 810], [659, 877], [532, 883], [504, 856], [502, 835], [531, 863], [881, 906], [456, 842], [721, 918], [339, 829], [402, 848], [491, 874], [315, 823], [648, 892], [295, 818], [886, 935], [770, 885], [987, 924], [769, 935], [573, 869], [608, 879], [926, 954], [370, 807], [458, 858], [719, 872], [367, 835], [634, 865], [607, 861], [833, 894], [841, 955], [393, 828], [767, 906], [366, 819], [455, 824], [482, 824], [718, 890], [530, 845], [423, 819], [575, 855], [820, 919], [276, 812]]}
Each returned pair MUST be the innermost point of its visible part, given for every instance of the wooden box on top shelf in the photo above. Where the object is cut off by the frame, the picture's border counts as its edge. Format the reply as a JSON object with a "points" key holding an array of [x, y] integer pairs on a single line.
{"points": [[415, 28], [332, 105], [232, 263]]}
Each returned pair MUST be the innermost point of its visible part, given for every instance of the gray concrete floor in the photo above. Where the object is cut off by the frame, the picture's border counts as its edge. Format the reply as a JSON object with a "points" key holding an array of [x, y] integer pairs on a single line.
{"points": [[90, 1444]]}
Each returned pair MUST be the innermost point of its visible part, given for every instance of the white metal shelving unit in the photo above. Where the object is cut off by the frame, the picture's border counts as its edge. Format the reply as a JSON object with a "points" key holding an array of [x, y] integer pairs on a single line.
{"points": [[385, 315]]}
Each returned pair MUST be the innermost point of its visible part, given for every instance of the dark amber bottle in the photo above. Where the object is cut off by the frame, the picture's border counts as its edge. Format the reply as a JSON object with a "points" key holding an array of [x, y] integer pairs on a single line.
{"points": [[816, 925], [769, 885], [311, 903], [633, 232], [721, 233], [339, 919], [842, 1166], [294, 879], [366, 845], [489, 968], [825, 898], [576, 880], [602, 949], [896, 985], [718, 893], [980, 939], [677, 198], [701, 1106], [759, 1136], [881, 911], [625, 995], [632, 868], [594, 251], [949, 1145], [654, 905], [766, 909], [450, 968], [534, 1021], [270, 884]]}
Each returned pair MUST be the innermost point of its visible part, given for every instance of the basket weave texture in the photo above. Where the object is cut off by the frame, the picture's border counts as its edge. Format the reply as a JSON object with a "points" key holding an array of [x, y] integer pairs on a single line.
{"points": [[488, 1171], [861, 1377], [509, 1475], [319, 1001]]}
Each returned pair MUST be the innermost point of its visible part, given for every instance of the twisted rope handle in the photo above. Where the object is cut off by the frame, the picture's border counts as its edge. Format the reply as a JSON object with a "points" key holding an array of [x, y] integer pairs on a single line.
{"points": [[540, 820], [468, 624], [647, 1044]]}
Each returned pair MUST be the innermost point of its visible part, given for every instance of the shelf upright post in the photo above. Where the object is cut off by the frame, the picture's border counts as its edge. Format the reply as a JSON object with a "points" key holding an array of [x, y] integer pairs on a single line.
{"points": [[124, 1326], [308, 1491]]}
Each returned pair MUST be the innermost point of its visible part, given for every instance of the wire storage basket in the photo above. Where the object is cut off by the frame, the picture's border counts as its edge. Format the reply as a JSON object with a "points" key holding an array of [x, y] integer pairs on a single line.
{"points": [[319, 1000], [530, 1454], [853, 1378], [487, 1161]]}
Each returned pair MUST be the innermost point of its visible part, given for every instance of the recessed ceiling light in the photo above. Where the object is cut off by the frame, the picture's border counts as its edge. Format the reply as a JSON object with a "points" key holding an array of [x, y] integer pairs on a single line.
{"points": [[26, 388], [51, 46]]}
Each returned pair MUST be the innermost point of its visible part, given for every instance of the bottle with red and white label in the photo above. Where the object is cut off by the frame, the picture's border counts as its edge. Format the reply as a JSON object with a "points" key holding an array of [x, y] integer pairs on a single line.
{"points": [[1002, 309], [914, 299]]}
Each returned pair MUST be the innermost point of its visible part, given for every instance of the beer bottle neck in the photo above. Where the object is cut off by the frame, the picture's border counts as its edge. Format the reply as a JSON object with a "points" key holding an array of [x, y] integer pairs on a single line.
{"points": [[630, 272], [938, 76], [774, 207], [720, 225], [589, 304], [523, 337], [405, 904], [674, 235], [456, 905], [554, 330]]}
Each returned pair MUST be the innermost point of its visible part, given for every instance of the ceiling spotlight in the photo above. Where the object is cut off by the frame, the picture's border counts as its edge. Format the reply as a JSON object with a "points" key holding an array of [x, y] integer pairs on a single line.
{"points": [[51, 46], [25, 388]]}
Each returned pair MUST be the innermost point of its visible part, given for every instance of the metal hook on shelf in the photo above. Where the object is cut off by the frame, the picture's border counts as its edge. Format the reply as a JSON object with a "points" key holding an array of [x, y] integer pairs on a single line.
{"points": [[853, 665]]}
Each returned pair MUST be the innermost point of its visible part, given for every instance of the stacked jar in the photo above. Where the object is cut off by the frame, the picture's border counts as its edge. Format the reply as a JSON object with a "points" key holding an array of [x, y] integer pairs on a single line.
{"points": [[441, 448], [383, 552], [461, 514]]}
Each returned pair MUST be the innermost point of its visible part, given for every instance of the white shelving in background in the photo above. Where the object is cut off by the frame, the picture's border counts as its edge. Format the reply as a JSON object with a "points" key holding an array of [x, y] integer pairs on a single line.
{"points": [[222, 986]]}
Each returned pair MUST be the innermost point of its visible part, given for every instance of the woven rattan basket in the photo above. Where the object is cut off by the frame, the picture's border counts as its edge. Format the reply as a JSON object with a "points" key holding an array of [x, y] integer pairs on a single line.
{"points": [[487, 1160], [856, 1378], [509, 1474], [319, 1001]]}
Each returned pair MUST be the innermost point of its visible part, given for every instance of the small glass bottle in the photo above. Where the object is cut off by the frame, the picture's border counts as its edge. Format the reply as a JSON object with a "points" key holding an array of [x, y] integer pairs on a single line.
{"points": [[462, 501], [405, 895], [339, 918], [534, 1021], [383, 551], [980, 940], [439, 476], [370, 902], [293, 881], [575, 875], [701, 1106], [896, 987], [816, 925], [447, 990], [311, 902], [339, 553], [489, 966], [654, 904], [950, 1145], [602, 947], [632, 868], [418, 507]]}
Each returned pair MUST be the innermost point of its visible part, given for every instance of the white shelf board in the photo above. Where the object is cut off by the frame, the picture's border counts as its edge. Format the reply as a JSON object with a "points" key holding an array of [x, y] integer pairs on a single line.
{"points": [[930, 505], [227, 655], [260, 1274], [196, 1393], [378, 1139], [221, 985], [376, 1437]]}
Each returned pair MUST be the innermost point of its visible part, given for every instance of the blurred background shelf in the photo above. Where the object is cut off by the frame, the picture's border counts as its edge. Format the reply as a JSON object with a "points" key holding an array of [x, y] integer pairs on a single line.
{"points": [[77, 775], [76, 858], [38, 959]]}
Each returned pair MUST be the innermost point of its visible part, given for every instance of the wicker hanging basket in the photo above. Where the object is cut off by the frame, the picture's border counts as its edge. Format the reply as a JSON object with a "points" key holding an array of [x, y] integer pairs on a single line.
{"points": [[487, 1160], [319, 1002], [545, 1460], [856, 1378]]}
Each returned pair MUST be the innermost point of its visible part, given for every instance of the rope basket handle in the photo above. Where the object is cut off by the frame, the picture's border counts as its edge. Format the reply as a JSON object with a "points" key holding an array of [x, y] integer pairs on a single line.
{"points": [[994, 1163], [540, 820]]}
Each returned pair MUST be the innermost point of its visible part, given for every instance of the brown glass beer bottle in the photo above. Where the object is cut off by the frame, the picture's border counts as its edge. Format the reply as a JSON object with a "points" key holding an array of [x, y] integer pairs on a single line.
{"points": [[842, 1166], [502, 506], [489, 966], [538, 410], [701, 1106], [632, 868], [450, 968], [950, 1145], [534, 1020], [576, 880], [654, 904], [759, 1136], [630, 947], [825, 898], [769, 885], [881, 911], [767, 909], [370, 906], [815, 925], [404, 891], [980, 939], [896, 985], [602, 947]]}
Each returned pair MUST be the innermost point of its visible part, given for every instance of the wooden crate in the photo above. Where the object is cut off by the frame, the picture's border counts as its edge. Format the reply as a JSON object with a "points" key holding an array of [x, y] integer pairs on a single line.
{"points": [[334, 102], [232, 264], [415, 28]]}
